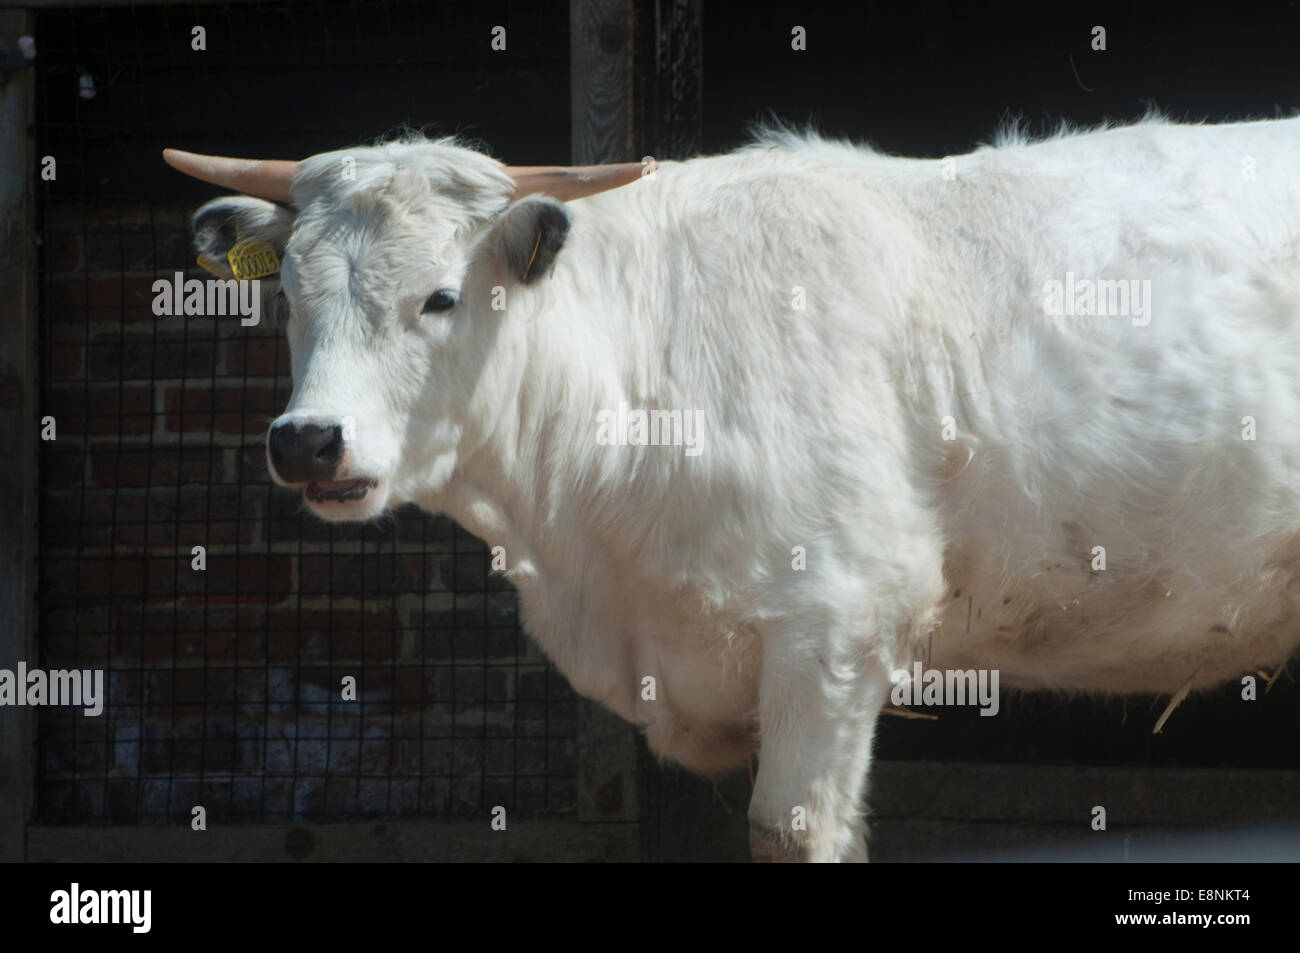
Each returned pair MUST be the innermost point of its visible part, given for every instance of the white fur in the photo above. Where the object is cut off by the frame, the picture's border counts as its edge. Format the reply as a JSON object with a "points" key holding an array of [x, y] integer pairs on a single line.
{"points": [[824, 426]]}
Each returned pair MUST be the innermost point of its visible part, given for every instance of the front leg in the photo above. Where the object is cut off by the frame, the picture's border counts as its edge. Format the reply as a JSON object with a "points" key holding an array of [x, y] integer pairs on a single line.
{"points": [[819, 698]]}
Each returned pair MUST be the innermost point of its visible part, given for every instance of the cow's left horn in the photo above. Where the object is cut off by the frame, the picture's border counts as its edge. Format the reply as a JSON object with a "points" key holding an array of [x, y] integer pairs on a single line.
{"points": [[265, 178], [567, 183]]}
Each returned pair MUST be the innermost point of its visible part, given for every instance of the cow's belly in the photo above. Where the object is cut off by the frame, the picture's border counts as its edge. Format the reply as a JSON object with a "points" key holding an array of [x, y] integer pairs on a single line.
{"points": [[696, 703], [702, 712], [1071, 629], [688, 678]]}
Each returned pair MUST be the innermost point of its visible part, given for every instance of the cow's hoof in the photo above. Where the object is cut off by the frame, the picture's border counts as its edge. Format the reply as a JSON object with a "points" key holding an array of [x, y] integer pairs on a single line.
{"points": [[770, 846]]}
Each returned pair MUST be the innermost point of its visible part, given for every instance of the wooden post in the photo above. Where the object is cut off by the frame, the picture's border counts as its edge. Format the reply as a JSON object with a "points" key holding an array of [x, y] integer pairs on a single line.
{"points": [[601, 70], [685, 817], [600, 81], [17, 437], [635, 89]]}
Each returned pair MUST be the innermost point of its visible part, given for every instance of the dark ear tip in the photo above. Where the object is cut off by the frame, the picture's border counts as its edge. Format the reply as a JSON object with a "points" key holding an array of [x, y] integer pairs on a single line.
{"points": [[556, 215], [214, 224], [534, 242]]}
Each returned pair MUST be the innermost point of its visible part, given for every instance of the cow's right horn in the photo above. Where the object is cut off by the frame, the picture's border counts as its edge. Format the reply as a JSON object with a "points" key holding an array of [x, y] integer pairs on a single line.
{"points": [[265, 178]]}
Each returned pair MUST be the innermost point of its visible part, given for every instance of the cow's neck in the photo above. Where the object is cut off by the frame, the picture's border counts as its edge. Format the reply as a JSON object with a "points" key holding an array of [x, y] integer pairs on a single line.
{"points": [[532, 463], [535, 477]]}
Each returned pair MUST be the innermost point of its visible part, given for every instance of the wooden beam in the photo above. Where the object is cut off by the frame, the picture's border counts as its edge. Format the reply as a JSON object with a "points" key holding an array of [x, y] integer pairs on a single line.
{"points": [[17, 435], [601, 123], [942, 809], [600, 81], [1186, 797], [522, 841], [693, 819], [97, 4], [610, 767], [902, 840]]}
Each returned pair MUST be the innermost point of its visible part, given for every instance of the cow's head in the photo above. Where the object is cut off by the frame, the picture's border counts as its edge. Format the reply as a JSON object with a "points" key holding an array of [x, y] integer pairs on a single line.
{"points": [[391, 260]]}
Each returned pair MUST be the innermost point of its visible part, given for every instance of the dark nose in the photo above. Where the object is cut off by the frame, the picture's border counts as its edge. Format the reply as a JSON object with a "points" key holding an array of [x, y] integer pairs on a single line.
{"points": [[307, 453]]}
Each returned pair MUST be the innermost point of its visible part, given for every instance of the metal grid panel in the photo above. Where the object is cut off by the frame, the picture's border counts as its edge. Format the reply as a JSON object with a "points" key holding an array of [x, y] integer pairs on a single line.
{"points": [[224, 685]]}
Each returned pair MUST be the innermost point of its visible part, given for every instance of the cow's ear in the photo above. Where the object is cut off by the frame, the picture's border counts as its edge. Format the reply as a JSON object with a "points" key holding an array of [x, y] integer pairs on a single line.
{"points": [[530, 234], [222, 223]]}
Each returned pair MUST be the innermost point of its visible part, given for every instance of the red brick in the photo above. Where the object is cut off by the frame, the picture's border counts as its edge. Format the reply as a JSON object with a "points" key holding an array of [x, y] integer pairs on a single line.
{"points": [[169, 646], [159, 615], [196, 504], [211, 516], [409, 686], [380, 645], [323, 620], [259, 577], [254, 357], [135, 249], [102, 215], [201, 407], [102, 410], [88, 577], [136, 465], [282, 645], [62, 466], [63, 252], [122, 292], [65, 361], [147, 356], [78, 299], [213, 532], [67, 299], [90, 519], [351, 573], [253, 467]]}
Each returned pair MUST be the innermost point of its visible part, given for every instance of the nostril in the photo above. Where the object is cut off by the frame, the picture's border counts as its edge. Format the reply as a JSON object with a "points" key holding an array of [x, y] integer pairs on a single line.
{"points": [[328, 445], [307, 453], [331, 450]]}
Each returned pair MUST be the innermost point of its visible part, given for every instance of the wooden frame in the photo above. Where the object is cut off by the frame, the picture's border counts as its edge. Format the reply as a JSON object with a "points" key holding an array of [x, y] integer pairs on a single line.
{"points": [[18, 431], [600, 113], [921, 810]]}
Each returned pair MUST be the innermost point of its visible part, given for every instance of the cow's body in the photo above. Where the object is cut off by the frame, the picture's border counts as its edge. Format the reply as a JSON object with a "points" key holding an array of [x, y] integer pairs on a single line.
{"points": [[918, 464]]}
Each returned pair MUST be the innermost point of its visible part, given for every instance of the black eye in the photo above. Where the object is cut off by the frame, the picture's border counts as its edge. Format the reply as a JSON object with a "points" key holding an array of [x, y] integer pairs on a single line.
{"points": [[442, 300]]}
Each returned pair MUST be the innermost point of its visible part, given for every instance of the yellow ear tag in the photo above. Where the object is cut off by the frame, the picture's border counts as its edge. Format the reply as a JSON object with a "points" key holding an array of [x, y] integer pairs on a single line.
{"points": [[208, 263], [251, 258]]}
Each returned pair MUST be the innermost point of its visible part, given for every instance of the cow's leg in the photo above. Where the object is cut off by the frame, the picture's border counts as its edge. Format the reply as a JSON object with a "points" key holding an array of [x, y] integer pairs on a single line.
{"points": [[817, 715]]}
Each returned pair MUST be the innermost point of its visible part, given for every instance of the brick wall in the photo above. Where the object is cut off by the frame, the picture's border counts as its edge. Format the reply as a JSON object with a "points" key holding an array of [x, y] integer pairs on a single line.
{"points": [[224, 685]]}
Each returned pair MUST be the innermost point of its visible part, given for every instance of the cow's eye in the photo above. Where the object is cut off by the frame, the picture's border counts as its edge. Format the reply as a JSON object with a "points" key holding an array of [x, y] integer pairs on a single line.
{"points": [[442, 300]]}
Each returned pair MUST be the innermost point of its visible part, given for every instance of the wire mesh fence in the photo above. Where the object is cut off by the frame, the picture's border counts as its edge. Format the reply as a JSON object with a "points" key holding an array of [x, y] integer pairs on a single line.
{"points": [[225, 618], [224, 683]]}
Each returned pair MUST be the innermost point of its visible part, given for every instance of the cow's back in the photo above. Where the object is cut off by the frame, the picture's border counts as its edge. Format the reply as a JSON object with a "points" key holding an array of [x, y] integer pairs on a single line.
{"points": [[1120, 496]]}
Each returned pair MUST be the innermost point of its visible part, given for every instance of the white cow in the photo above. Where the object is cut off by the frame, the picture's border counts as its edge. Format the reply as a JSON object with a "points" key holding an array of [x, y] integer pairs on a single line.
{"points": [[1030, 410]]}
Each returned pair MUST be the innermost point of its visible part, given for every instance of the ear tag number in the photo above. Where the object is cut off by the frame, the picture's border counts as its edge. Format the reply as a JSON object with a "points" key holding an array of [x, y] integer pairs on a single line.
{"points": [[251, 258]]}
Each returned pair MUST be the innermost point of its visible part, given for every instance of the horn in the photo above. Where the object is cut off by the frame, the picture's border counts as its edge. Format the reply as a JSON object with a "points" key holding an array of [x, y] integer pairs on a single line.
{"points": [[567, 183], [265, 178]]}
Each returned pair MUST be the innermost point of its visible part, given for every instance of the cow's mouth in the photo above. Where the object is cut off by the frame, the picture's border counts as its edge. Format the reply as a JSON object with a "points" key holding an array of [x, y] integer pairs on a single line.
{"points": [[339, 491]]}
